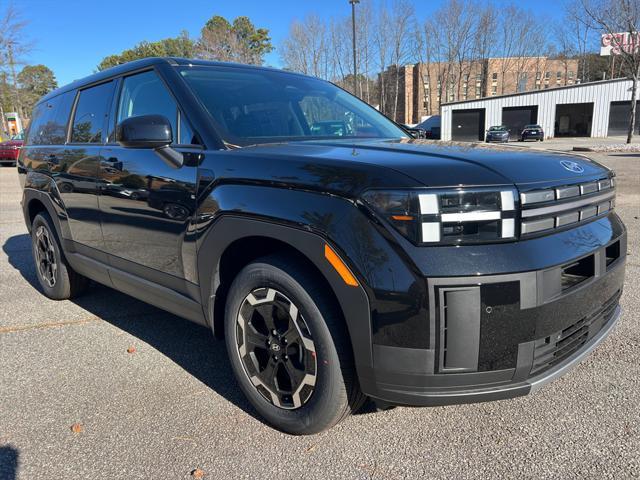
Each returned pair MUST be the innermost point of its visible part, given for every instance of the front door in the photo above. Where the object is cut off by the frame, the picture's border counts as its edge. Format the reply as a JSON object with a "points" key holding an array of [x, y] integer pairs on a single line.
{"points": [[146, 204]]}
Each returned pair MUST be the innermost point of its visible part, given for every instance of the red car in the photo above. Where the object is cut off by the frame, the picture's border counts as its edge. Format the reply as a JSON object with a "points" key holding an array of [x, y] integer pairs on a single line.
{"points": [[10, 149]]}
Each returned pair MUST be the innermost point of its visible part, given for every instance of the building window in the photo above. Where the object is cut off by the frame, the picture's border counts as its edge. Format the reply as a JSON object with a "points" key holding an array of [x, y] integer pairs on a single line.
{"points": [[466, 77], [494, 90], [426, 86], [538, 75], [479, 77], [494, 76], [547, 75], [558, 75], [464, 97], [451, 97], [478, 93], [570, 73], [546, 85]]}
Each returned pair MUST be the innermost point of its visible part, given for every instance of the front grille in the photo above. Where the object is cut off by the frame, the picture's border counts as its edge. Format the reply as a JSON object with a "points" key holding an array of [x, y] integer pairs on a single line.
{"points": [[552, 350], [547, 209]]}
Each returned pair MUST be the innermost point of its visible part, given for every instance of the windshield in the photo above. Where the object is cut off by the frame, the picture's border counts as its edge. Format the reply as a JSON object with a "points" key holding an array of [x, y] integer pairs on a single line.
{"points": [[18, 136], [532, 126], [253, 106], [497, 129]]}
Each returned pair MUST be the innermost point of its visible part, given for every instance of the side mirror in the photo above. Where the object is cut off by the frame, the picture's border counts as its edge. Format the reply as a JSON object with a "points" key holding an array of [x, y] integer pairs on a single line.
{"points": [[145, 131], [149, 131]]}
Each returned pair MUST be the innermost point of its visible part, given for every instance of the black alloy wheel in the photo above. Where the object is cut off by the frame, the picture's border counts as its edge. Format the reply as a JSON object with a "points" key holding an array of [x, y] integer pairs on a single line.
{"points": [[56, 277], [45, 256], [289, 346], [276, 348]]}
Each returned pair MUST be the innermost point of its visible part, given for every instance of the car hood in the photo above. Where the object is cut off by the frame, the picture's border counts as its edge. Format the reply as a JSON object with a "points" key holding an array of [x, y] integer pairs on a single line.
{"points": [[449, 163]]}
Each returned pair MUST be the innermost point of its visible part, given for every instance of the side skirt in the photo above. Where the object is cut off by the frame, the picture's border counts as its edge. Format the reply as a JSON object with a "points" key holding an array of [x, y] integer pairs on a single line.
{"points": [[145, 290]]}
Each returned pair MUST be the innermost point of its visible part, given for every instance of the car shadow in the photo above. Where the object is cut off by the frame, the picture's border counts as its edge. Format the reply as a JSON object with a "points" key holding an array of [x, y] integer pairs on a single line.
{"points": [[189, 345], [8, 462]]}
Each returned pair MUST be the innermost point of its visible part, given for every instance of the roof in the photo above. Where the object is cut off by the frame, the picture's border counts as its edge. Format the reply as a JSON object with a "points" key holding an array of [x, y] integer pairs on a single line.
{"points": [[147, 62], [533, 92]]}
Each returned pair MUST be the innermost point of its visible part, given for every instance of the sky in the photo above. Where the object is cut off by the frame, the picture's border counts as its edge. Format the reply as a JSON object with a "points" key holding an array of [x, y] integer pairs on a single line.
{"points": [[72, 36]]}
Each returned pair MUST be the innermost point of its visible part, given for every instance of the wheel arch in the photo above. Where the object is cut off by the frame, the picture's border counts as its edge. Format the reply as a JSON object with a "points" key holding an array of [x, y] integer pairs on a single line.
{"points": [[37, 201], [232, 242]]}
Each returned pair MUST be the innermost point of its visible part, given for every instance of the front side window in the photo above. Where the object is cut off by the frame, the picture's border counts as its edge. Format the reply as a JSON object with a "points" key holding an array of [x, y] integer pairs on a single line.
{"points": [[146, 94], [251, 106], [91, 113]]}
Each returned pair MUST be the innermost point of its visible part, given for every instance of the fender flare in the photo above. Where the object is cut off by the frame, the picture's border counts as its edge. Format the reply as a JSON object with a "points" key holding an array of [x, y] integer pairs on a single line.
{"points": [[352, 300], [57, 214]]}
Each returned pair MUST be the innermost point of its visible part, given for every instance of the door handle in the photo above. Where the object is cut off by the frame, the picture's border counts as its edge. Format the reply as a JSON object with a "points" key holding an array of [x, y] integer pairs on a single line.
{"points": [[52, 160]]}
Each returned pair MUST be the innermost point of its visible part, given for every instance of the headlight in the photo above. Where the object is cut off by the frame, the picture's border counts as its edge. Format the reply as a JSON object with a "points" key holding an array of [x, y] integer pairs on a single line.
{"points": [[448, 217]]}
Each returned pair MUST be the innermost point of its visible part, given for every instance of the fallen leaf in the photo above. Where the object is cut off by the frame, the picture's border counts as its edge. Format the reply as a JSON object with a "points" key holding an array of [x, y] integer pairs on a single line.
{"points": [[77, 428], [197, 473], [131, 349]]}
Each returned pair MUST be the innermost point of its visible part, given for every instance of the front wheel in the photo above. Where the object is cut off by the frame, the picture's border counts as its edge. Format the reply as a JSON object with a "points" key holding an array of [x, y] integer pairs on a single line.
{"points": [[289, 347]]}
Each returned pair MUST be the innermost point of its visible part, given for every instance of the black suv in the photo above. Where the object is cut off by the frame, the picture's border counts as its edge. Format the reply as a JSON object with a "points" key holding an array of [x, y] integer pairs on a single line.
{"points": [[339, 258]]}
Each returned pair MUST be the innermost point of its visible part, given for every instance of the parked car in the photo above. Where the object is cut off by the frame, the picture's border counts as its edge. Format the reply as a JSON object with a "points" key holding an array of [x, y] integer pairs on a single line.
{"points": [[10, 149], [415, 132], [431, 127], [336, 265], [533, 131], [498, 133]]}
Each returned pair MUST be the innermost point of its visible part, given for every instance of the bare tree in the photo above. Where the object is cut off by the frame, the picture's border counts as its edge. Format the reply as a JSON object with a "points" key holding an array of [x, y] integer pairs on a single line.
{"points": [[620, 16], [12, 49], [487, 25], [381, 41], [400, 28], [306, 49]]}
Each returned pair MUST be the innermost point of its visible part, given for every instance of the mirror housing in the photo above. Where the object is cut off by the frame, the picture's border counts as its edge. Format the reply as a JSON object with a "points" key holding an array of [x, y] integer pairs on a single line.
{"points": [[145, 131], [149, 131]]}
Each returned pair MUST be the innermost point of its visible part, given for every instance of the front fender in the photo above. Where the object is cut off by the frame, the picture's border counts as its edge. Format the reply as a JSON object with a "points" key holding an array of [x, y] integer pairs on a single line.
{"points": [[353, 300]]}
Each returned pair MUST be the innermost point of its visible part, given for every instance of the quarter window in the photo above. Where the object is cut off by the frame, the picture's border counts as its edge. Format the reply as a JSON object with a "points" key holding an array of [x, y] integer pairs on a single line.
{"points": [[50, 118], [91, 114]]}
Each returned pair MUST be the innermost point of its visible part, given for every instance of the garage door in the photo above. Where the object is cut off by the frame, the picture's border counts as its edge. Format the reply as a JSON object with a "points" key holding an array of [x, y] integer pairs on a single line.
{"points": [[619, 118], [467, 125], [515, 118], [573, 120]]}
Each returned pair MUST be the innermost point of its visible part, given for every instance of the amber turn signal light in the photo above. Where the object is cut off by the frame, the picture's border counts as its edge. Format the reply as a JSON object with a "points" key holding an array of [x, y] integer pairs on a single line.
{"points": [[339, 266]]}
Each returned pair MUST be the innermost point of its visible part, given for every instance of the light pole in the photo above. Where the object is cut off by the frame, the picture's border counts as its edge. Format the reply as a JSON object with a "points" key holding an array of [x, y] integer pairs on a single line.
{"points": [[355, 63]]}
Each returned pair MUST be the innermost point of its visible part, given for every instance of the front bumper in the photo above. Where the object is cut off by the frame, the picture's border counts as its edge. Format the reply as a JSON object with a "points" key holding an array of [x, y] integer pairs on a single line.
{"points": [[503, 336], [504, 139]]}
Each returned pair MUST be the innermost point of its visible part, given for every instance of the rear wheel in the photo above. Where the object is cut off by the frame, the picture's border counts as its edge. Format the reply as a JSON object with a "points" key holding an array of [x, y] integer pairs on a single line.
{"points": [[57, 279], [289, 347]]}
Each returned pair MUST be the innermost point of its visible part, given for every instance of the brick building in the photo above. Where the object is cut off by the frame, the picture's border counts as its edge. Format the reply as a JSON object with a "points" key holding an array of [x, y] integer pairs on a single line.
{"points": [[423, 87]]}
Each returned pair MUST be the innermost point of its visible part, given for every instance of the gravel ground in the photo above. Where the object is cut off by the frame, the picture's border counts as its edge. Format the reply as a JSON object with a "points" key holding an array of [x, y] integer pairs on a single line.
{"points": [[172, 405]]}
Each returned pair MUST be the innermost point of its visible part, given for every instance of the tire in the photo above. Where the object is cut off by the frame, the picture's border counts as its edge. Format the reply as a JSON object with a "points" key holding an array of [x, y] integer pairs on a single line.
{"points": [[329, 391], [57, 279]]}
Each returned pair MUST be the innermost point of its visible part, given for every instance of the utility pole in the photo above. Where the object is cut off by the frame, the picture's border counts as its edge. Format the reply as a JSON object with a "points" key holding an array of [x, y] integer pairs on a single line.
{"points": [[14, 78], [355, 62]]}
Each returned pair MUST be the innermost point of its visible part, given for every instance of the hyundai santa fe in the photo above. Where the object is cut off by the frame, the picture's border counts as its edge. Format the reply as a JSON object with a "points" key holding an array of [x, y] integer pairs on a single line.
{"points": [[339, 258]]}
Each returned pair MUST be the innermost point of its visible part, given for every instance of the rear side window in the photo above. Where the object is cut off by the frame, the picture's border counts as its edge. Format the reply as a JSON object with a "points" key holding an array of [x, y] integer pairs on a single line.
{"points": [[91, 113], [146, 94], [42, 114], [50, 119]]}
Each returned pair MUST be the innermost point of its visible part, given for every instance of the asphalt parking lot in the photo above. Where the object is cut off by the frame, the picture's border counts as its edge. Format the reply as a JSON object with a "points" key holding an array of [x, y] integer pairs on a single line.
{"points": [[172, 405]]}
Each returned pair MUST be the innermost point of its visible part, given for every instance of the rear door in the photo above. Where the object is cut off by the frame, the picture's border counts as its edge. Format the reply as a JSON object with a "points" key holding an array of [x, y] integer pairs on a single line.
{"points": [[74, 165], [146, 204]]}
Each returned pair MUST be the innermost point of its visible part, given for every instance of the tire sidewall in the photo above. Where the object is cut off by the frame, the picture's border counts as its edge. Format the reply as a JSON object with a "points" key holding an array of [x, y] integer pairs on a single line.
{"points": [[323, 407]]}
